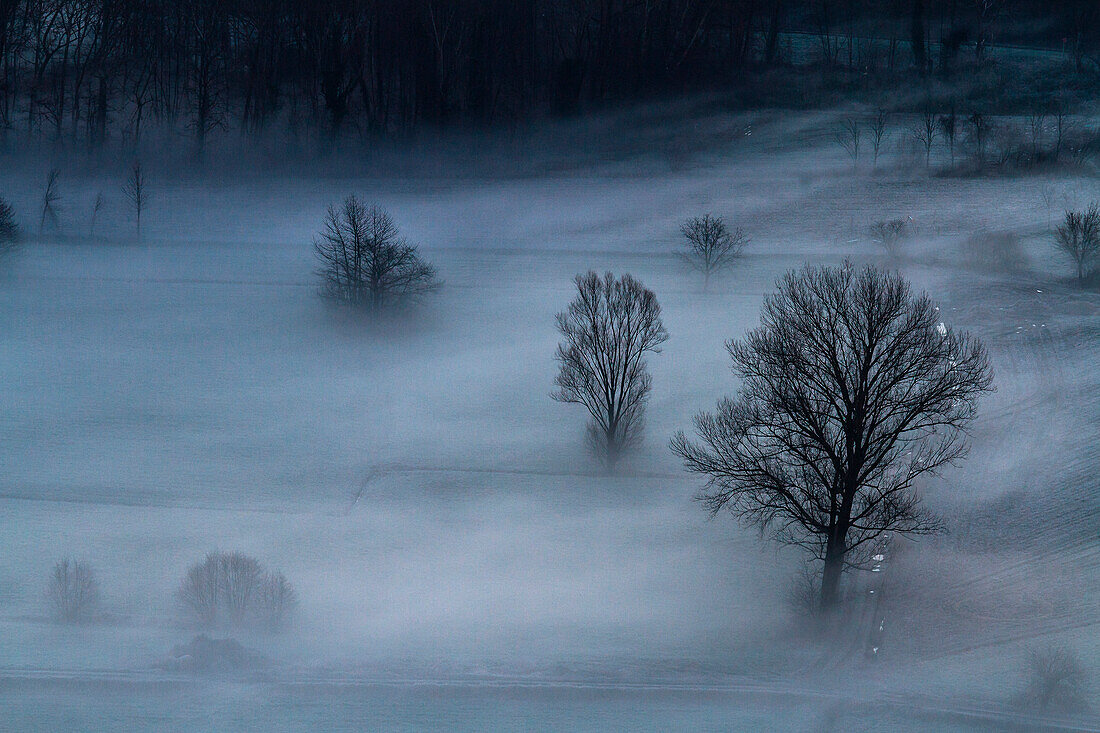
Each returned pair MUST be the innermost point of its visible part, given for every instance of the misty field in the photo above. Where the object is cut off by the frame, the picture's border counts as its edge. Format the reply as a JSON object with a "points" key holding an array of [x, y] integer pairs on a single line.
{"points": [[456, 552]]}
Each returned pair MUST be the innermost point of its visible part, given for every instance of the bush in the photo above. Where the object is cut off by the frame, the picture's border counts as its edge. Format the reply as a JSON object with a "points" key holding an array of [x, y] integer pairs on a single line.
{"points": [[890, 233], [1056, 680], [73, 593], [9, 230], [234, 589]]}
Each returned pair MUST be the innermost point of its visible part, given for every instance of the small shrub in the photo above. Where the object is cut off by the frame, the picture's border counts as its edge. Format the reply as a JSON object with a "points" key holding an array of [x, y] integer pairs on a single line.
{"points": [[234, 589], [804, 593], [73, 592], [1056, 680]]}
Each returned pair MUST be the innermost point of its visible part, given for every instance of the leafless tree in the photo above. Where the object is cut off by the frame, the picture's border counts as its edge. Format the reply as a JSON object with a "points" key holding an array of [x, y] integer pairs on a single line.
{"points": [[890, 233], [1079, 239], [9, 230], [851, 390], [137, 192], [97, 206], [73, 592], [1036, 123], [1063, 126], [711, 246], [979, 134], [878, 133], [849, 136], [50, 198], [608, 329], [949, 127], [1056, 679], [925, 133], [364, 261], [233, 588]]}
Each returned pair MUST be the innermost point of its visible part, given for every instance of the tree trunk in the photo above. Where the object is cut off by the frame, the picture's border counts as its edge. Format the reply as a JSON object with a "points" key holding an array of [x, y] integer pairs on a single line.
{"points": [[834, 567]]}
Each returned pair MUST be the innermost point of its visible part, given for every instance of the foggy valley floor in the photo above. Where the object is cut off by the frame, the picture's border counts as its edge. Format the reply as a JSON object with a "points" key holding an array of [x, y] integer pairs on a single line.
{"points": [[461, 561]]}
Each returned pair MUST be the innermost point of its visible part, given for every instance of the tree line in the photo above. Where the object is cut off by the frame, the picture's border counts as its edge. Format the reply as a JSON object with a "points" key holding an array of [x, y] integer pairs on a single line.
{"points": [[94, 69]]}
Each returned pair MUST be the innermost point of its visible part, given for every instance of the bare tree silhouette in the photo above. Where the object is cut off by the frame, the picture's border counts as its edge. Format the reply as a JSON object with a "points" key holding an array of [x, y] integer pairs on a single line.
{"points": [[710, 245], [608, 328], [1079, 239], [851, 389], [364, 261]]}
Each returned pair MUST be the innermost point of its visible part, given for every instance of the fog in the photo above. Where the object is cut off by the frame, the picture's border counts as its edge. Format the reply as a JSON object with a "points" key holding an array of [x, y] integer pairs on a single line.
{"points": [[461, 561]]}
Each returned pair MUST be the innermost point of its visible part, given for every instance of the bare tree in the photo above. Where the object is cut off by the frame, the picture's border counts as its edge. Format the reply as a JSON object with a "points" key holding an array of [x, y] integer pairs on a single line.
{"points": [[851, 390], [710, 246], [1036, 122], [9, 230], [608, 328], [925, 133], [364, 261], [849, 136], [979, 134], [50, 198], [234, 589], [1056, 679], [1079, 239], [878, 133], [137, 192], [890, 233], [949, 127], [97, 206], [73, 592]]}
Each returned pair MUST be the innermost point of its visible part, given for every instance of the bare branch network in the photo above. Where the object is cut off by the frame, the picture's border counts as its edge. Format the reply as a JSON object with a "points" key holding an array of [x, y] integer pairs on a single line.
{"points": [[710, 246], [366, 263], [607, 330], [851, 389]]}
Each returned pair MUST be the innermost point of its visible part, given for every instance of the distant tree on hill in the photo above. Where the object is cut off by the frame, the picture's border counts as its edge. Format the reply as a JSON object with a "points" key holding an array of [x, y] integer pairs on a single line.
{"points": [[710, 245], [73, 592], [925, 133], [608, 329], [50, 198], [1079, 239], [1057, 680], [137, 193], [233, 589], [365, 262], [878, 133], [849, 135]]}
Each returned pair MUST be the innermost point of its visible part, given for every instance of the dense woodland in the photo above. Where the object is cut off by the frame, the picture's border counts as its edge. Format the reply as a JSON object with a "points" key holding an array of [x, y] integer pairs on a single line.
{"points": [[94, 70]]}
